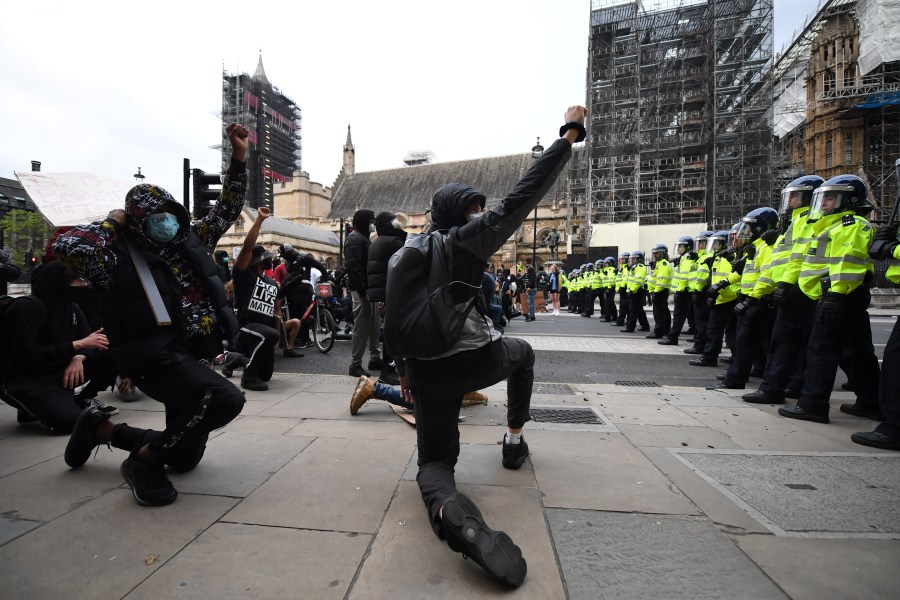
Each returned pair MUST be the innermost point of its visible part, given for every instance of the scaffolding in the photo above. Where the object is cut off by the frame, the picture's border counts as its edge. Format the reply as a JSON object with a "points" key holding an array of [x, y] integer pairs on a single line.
{"points": [[833, 116], [680, 110], [275, 125]]}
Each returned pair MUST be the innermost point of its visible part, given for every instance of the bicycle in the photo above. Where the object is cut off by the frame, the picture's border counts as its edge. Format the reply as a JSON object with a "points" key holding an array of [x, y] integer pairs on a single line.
{"points": [[322, 322]]}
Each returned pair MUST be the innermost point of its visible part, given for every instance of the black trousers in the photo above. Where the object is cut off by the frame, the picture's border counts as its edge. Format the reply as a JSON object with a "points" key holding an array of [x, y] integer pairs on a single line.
{"points": [[609, 298], [624, 306], [662, 318], [827, 341], [720, 316], [701, 318], [787, 346], [636, 312], [684, 304], [257, 342], [889, 392], [753, 330], [587, 308], [197, 399], [44, 397], [438, 387]]}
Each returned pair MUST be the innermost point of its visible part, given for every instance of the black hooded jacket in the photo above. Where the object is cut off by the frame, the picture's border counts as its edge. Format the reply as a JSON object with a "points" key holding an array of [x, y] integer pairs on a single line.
{"points": [[356, 251], [389, 240], [44, 325]]}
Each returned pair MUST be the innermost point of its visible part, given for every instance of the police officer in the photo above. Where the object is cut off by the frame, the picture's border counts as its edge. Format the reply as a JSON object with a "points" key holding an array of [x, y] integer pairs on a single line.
{"points": [[722, 295], [659, 290], [698, 284], [887, 433], [683, 265], [755, 317], [835, 273], [795, 311], [591, 283], [637, 292], [609, 289]]}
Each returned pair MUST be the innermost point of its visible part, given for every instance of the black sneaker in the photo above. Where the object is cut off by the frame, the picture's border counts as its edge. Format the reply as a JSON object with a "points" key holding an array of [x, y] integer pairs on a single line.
{"points": [[148, 482], [83, 439], [389, 377], [514, 454], [376, 364], [103, 407], [467, 533], [291, 353], [358, 371], [253, 382]]}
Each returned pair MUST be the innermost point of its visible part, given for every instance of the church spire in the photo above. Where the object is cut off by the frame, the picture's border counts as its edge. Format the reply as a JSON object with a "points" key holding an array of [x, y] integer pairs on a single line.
{"points": [[349, 155], [260, 74]]}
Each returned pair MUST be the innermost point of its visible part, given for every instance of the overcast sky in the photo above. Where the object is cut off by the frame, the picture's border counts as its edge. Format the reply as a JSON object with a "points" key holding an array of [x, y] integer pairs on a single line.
{"points": [[106, 87]]}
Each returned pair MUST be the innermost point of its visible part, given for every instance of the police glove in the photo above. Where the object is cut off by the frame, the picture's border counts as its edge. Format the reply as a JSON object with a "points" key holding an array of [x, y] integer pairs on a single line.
{"points": [[771, 236], [742, 306], [886, 232], [830, 307], [727, 255], [713, 292], [883, 249], [738, 265]]}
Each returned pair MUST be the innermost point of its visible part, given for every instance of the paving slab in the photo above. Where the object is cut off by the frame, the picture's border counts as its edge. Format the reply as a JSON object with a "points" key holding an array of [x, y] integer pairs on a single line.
{"points": [[29, 446], [803, 495], [822, 569], [389, 428], [99, 551], [231, 560], [311, 405], [11, 528], [601, 472], [431, 570], [614, 555], [262, 425], [24, 494], [481, 464], [236, 463], [756, 429], [640, 409], [332, 485], [673, 436]]}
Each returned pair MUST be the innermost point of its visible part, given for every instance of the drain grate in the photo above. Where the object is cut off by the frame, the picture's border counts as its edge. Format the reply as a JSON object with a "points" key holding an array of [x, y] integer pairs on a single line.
{"points": [[638, 383], [579, 416], [551, 388]]}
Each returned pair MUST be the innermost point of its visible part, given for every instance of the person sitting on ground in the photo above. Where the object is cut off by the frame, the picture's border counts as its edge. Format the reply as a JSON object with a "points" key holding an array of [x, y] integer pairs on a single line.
{"points": [[298, 288], [480, 357], [55, 353]]}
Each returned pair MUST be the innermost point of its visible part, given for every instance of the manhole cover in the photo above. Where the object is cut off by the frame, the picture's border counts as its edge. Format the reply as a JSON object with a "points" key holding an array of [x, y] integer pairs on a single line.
{"points": [[551, 388], [637, 383], [580, 416]]}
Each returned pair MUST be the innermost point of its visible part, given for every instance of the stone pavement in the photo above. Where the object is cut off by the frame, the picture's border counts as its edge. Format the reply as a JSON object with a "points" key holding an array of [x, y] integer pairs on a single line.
{"points": [[663, 492]]}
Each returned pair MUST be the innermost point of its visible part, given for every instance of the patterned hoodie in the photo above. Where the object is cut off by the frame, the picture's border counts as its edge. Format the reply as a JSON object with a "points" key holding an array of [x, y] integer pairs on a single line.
{"points": [[88, 248]]}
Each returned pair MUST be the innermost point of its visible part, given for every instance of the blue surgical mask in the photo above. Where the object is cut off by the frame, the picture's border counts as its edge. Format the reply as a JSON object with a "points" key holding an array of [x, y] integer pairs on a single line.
{"points": [[162, 227]]}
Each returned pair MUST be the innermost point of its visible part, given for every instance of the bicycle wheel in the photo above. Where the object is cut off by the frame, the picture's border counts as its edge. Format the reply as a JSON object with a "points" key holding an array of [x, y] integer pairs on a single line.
{"points": [[324, 330]]}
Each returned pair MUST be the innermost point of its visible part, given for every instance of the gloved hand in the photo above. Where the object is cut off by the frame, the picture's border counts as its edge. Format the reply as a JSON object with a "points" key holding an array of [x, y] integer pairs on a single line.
{"points": [[742, 306], [884, 251], [830, 307], [749, 251], [738, 265], [886, 232], [713, 292], [727, 255], [771, 236]]}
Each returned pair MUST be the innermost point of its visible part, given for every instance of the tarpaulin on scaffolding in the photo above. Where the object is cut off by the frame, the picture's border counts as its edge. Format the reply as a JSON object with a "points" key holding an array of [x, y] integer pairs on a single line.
{"points": [[789, 104], [873, 102], [879, 33]]}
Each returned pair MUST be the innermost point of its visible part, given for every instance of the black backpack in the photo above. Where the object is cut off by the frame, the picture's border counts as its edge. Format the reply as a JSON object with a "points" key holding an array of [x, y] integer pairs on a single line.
{"points": [[420, 318]]}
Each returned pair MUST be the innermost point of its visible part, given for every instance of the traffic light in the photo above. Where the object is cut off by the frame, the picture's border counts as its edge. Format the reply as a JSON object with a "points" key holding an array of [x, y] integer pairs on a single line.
{"points": [[205, 196]]}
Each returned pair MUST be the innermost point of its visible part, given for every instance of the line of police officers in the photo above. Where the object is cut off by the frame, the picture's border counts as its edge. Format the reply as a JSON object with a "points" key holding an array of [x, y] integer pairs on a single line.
{"points": [[789, 296]]}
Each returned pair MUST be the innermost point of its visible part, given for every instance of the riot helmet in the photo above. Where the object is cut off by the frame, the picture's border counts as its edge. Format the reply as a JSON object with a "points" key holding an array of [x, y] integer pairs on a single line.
{"points": [[659, 252], [716, 242], [624, 258], [702, 239], [799, 193], [610, 261], [637, 257], [839, 194], [684, 245], [756, 223], [598, 264]]}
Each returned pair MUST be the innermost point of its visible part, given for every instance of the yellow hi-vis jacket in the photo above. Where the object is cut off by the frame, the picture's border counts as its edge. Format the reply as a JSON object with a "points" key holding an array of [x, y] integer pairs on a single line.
{"points": [[662, 276], [840, 252], [756, 280], [791, 247]]}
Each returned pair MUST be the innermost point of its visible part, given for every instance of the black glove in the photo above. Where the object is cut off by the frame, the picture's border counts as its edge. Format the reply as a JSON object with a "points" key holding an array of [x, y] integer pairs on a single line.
{"points": [[713, 292], [749, 251], [771, 236], [782, 294], [883, 251], [738, 265], [886, 232], [742, 306], [830, 307], [727, 255], [692, 255]]}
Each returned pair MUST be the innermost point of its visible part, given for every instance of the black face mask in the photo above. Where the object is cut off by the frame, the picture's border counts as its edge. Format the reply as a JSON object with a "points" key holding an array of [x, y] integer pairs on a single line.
{"points": [[81, 296], [266, 264]]}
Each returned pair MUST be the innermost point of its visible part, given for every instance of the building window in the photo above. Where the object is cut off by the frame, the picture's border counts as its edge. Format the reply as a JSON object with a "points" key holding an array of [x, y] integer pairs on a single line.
{"points": [[848, 149], [828, 150], [849, 76], [827, 81], [239, 225]]}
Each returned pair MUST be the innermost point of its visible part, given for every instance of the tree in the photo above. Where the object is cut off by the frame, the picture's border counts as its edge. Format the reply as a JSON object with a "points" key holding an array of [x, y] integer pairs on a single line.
{"points": [[25, 230]]}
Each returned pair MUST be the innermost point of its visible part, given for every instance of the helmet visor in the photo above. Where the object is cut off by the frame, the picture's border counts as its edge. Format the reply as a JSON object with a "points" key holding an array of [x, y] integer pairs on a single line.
{"points": [[794, 197], [714, 244], [744, 233], [828, 200]]}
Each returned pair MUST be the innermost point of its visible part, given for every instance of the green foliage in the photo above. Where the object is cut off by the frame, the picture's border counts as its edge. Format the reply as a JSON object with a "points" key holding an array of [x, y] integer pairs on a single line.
{"points": [[25, 230]]}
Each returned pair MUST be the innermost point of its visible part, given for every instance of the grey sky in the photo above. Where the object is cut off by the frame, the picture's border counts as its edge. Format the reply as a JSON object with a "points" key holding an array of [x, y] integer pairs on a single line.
{"points": [[107, 86]]}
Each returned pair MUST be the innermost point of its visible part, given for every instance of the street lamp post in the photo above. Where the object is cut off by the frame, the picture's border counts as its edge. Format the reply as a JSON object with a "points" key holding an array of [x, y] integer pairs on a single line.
{"points": [[536, 152], [139, 177]]}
